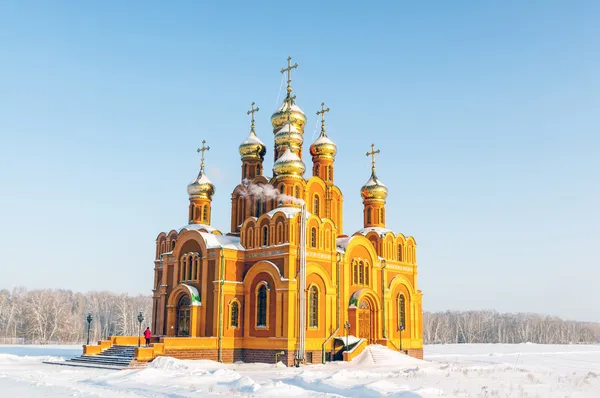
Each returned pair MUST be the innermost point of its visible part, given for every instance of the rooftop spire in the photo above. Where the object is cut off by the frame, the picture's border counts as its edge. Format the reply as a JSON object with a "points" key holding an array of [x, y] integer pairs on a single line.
{"points": [[289, 75], [203, 149], [252, 111], [322, 113], [372, 154]]}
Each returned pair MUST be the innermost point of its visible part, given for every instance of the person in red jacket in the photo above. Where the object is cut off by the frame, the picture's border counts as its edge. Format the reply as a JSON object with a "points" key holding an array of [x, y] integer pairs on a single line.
{"points": [[147, 335]]}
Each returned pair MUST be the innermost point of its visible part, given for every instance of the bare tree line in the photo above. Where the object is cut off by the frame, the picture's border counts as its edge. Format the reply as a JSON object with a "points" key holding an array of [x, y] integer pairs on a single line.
{"points": [[59, 316], [493, 327]]}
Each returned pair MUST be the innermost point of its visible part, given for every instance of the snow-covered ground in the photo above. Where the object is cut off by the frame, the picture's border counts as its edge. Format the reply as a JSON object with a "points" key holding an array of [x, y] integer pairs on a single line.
{"points": [[469, 370]]}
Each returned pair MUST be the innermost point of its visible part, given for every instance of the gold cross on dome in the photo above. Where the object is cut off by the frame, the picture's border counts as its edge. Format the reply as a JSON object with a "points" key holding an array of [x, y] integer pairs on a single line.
{"points": [[203, 149], [289, 73], [322, 113], [252, 111], [288, 111], [372, 154]]}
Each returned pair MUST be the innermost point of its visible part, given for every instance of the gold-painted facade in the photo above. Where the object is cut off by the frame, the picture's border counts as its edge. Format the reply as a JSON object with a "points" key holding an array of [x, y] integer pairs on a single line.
{"points": [[235, 294]]}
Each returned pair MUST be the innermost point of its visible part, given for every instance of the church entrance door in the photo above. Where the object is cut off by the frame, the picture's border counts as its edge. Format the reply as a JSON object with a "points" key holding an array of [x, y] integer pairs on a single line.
{"points": [[183, 316], [365, 321]]}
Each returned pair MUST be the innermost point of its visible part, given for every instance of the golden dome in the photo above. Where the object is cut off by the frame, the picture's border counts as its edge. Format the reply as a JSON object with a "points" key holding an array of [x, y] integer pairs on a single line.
{"points": [[289, 135], [201, 187], [323, 147], [252, 147], [289, 164], [374, 188], [280, 117]]}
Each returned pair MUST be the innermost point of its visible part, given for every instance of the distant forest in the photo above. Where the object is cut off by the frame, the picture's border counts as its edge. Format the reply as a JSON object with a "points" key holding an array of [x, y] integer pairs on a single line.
{"points": [[59, 317]]}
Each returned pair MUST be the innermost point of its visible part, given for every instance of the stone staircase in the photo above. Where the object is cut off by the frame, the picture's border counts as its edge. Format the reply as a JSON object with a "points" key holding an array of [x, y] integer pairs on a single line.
{"points": [[115, 357]]}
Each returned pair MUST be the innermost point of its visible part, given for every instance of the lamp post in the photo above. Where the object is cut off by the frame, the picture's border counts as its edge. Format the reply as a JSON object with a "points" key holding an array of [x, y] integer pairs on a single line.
{"points": [[400, 330], [140, 320], [89, 321], [347, 329]]}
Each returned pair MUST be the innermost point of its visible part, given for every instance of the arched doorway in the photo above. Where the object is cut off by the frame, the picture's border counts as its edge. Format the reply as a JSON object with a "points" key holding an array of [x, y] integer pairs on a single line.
{"points": [[184, 307], [366, 323]]}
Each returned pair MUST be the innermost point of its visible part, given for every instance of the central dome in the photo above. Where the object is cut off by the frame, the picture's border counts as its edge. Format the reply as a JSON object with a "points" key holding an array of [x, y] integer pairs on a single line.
{"points": [[280, 117], [289, 164]]}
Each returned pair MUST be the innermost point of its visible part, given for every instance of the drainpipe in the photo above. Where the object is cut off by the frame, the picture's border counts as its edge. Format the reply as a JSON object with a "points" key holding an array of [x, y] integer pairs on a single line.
{"points": [[383, 297], [339, 312], [221, 299]]}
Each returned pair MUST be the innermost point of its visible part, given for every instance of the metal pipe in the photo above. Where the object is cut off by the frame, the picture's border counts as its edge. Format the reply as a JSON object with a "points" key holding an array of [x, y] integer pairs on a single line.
{"points": [[339, 312], [302, 285], [221, 299], [383, 297]]}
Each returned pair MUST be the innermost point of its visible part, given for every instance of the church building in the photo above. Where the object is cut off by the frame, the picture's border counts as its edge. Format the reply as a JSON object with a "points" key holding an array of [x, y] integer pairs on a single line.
{"points": [[285, 279]]}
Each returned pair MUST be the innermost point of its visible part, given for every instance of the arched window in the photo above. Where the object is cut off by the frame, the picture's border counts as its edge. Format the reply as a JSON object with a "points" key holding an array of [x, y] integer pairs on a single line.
{"points": [[401, 311], [361, 273], [368, 215], [280, 232], [172, 245], [313, 237], [240, 211], [316, 169], [257, 208], [235, 311], [313, 307], [190, 267], [297, 192], [250, 238], [316, 206], [355, 273], [380, 215], [205, 212], [400, 253], [196, 212], [265, 236], [244, 171], [282, 191], [329, 173], [383, 216], [367, 274], [261, 307]]}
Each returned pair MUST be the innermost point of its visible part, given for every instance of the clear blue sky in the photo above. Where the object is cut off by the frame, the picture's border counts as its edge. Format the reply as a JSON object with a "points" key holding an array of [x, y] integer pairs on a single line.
{"points": [[487, 115]]}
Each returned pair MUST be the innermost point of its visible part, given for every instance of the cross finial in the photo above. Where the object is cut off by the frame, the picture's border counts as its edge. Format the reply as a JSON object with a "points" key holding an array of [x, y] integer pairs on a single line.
{"points": [[288, 111], [372, 155], [289, 74], [322, 113], [252, 111], [203, 149]]}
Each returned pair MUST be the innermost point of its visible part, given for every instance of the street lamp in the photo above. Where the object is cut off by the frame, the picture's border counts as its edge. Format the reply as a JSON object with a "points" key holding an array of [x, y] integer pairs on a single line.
{"points": [[140, 320], [89, 321], [400, 329], [347, 329]]}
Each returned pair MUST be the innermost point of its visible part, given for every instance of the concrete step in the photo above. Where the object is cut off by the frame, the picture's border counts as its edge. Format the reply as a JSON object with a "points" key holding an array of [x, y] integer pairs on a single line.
{"points": [[86, 365]]}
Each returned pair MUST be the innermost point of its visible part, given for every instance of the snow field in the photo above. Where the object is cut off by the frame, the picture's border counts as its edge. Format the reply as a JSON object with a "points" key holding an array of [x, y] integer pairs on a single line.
{"points": [[475, 370]]}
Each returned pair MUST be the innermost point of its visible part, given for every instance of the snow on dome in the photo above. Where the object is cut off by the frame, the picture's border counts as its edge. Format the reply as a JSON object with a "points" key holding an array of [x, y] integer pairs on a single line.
{"points": [[288, 156], [253, 139], [284, 107], [374, 181], [201, 179], [288, 128]]}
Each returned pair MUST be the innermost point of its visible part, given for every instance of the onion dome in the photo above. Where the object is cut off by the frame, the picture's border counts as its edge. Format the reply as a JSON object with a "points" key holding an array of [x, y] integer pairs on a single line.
{"points": [[289, 135], [280, 117], [323, 147], [252, 147], [374, 188], [289, 164], [201, 187]]}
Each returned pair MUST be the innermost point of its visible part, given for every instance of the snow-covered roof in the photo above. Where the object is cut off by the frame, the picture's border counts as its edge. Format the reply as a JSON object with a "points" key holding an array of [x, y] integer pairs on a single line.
{"points": [[323, 139], [197, 227], [253, 139], [284, 106], [380, 231], [374, 181], [201, 179], [288, 128], [350, 339], [218, 241], [289, 211], [342, 243], [288, 156]]}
